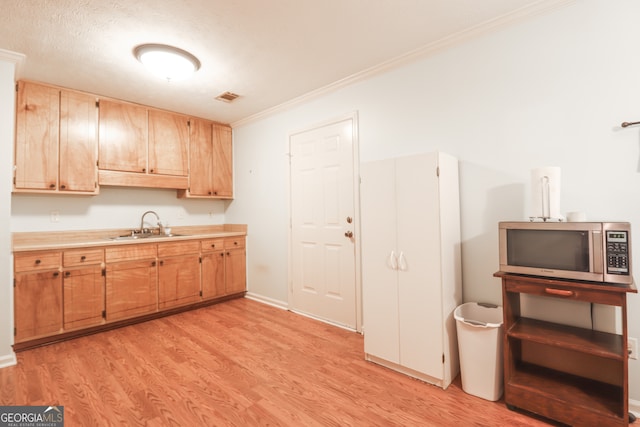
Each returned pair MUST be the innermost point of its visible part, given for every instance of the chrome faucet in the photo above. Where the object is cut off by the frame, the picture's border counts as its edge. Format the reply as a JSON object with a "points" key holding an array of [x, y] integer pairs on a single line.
{"points": [[160, 226]]}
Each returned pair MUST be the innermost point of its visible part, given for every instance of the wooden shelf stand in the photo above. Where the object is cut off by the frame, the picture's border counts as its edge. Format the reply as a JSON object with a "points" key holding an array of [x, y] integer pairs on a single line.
{"points": [[574, 375]]}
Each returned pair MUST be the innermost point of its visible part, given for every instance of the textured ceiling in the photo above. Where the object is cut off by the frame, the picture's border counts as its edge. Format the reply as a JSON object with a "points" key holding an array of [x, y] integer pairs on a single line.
{"points": [[270, 52]]}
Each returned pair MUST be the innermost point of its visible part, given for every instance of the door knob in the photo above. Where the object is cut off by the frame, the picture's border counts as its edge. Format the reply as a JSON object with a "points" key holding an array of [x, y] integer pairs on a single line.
{"points": [[348, 234]]}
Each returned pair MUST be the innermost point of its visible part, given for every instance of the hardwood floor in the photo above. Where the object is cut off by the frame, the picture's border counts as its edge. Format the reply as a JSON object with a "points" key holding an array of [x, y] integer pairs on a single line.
{"points": [[239, 363]]}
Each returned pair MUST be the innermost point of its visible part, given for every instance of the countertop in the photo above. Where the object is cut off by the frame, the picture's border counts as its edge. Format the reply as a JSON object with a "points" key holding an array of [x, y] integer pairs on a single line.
{"points": [[52, 240]]}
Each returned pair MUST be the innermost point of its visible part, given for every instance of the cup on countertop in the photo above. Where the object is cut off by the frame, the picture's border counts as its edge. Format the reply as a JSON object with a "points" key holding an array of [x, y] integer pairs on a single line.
{"points": [[576, 216]]}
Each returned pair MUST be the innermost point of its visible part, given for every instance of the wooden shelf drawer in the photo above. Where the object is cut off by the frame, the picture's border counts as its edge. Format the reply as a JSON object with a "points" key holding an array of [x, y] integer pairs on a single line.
{"points": [[234, 242], [211, 245], [34, 261], [77, 257]]}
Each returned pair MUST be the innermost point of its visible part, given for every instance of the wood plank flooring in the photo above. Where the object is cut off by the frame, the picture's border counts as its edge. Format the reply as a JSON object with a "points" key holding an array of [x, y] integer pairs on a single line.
{"points": [[239, 363]]}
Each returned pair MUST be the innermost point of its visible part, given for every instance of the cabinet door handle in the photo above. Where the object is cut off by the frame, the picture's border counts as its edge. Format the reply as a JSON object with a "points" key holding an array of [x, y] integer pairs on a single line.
{"points": [[402, 263], [559, 292], [393, 261], [38, 262], [67, 273], [83, 258]]}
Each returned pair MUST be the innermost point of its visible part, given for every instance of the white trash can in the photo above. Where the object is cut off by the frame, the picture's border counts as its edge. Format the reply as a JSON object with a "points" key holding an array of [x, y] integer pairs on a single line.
{"points": [[479, 328]]}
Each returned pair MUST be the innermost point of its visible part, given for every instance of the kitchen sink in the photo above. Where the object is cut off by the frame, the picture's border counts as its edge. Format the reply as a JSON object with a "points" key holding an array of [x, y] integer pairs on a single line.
{"points": [[145, 236]]}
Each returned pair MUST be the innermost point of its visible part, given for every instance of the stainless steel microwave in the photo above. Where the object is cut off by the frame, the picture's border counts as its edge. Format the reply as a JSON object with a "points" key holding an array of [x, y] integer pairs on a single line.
{"points": [[590, 251]]}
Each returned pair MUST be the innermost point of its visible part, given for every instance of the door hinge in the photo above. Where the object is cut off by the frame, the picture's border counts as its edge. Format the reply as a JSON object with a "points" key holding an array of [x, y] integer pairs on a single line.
{"points": [[200, 293], [14, 282], [200, 260], [104, 272], [104, 314], [437, 170], [97, 103], [443, 358], [15, 331]]}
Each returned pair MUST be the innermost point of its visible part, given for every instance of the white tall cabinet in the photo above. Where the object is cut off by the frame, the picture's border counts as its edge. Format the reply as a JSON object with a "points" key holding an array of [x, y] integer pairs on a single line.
{"points": [[410, 225]]}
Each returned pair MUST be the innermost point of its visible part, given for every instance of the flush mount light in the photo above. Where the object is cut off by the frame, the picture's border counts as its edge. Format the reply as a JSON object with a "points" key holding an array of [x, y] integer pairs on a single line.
{"points": [[168, 62]]}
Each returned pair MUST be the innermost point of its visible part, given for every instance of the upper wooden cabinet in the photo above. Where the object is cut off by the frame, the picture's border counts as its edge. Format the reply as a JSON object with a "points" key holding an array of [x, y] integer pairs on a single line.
{"points": [[168, 143], [56, 140], [70, 142], [142, 147], [210, 160], [123, 137]]}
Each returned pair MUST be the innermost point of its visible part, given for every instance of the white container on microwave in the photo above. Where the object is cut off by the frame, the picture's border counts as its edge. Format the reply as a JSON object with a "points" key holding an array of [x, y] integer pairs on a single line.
{"points": [[590, 251]]}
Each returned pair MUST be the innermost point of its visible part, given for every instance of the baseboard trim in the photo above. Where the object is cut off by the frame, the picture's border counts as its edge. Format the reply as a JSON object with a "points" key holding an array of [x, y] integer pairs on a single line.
{"points": [[266, 300], [634, 407], [8, 360]]}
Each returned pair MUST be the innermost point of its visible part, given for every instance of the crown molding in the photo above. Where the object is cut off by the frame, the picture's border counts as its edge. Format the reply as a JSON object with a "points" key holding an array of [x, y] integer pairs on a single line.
{"points": [[14, 57], [492, 25]]}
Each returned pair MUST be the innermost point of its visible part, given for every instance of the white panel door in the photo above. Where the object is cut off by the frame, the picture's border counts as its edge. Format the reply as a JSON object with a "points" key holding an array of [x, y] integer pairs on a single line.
{"points": [[418, 244], [379, 260], [323, 282]]}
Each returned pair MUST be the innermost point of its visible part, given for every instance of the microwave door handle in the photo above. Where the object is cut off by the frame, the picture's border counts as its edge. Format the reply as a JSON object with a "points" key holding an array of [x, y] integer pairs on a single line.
{"points": [[598, 249]]}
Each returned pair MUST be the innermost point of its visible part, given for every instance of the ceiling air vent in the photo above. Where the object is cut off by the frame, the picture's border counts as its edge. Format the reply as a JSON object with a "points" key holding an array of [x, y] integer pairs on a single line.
{"points": [[227, 97]]}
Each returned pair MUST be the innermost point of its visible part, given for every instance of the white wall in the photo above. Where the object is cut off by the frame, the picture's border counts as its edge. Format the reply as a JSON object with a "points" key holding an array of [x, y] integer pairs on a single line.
{"points": [[8, 62], [550, 91], [112, 208]]}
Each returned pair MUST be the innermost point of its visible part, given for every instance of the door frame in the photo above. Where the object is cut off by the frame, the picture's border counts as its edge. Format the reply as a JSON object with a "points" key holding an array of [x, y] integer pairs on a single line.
{"points": [[356, 206]]}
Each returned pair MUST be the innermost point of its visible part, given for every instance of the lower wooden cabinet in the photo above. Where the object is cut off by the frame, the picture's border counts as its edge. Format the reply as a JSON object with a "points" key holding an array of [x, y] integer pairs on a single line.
{"points": [[38, 304], [83, 296], [235, 266], [60, 292], [213, 283], [178, 273], [223, 267], [131, 289], [37, 295], [83, 287]]}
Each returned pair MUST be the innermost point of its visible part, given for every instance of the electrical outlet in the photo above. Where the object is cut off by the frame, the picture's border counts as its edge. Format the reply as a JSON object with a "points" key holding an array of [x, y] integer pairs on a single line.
{"points": [[632, 347], [55, 216]]}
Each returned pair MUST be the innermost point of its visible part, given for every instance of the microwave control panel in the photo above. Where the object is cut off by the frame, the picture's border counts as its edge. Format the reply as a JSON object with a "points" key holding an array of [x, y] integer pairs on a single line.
{"points": [[617, 252]]}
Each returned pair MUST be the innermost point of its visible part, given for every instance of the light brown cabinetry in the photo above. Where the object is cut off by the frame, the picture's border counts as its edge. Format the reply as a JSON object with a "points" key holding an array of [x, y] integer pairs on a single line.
{"points": [[37, 295], [168, 143], [63, 293], [223, 267], [210, 160], [83, 284], [178, 273], [56, 140], [123, 137], [131, 281], [235, 265], [573, 375], [213, 259], [69, 142], [144, 147]]}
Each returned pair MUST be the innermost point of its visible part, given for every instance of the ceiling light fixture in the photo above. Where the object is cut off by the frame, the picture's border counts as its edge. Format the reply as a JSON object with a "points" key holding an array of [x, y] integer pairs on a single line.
{"points": [[168, 62]]}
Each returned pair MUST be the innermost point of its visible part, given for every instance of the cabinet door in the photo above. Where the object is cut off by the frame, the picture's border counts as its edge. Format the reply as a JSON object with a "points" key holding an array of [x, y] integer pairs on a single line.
{"points": [[379, 260], [235, 271], [36, 152], [420, 282], [168, 139], [222, 161], [78, 142], [178, 281], [201, 159], [83, 291], [123, 137], [37, 304], [213, 274], [131, 289]]}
